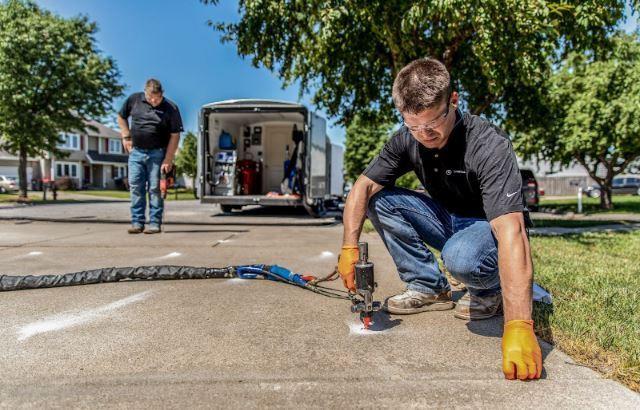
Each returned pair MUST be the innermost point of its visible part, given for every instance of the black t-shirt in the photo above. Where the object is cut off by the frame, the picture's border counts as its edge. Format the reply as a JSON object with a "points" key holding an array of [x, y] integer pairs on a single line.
{"points": [[151, 126], [475, 174]]}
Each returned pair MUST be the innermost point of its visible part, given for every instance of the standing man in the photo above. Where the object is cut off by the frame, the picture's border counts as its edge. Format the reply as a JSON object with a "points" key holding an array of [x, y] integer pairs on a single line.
{"points": [[474, 214], [151, 142]]}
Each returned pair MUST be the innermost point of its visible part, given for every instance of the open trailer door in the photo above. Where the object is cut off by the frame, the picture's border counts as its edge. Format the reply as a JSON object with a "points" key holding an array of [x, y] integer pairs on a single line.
{"points": [[316, 165]]}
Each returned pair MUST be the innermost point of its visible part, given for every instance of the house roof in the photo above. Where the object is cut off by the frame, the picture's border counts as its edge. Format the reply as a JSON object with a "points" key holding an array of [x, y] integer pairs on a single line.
{"points": [[100, 130], [4, 155], [74, 155], [95, 157]]}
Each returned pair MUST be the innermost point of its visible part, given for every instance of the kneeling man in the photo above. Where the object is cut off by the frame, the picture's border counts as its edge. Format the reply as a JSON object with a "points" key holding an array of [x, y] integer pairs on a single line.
{"points": [[474, 214]]}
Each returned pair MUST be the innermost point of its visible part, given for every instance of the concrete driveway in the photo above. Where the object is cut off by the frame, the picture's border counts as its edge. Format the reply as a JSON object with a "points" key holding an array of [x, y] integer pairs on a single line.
{"points": [[243, 344]]}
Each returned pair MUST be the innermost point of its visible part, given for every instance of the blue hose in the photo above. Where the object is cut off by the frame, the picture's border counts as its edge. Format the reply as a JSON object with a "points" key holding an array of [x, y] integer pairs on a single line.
{"points": [[273, 272]]}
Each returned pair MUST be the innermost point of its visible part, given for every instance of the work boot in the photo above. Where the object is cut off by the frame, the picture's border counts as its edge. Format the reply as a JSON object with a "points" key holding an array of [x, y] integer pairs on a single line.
{"points": [[152, 229], [412, 301], [471, 307], [135, 229]]}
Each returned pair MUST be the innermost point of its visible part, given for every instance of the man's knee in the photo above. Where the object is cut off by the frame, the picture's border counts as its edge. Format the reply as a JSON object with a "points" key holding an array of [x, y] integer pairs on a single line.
{"points": [[386, 199], [470, 264], [136, 187], [458, 262]]}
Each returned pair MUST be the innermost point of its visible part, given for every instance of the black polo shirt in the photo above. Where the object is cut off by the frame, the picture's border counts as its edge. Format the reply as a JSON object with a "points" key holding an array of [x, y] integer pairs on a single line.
{"points": [[151, 126], [475, 174]]}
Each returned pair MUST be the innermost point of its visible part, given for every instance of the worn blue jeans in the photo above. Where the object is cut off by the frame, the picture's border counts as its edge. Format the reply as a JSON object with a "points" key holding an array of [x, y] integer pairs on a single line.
{"points": [[407, 220], [144, 176]]}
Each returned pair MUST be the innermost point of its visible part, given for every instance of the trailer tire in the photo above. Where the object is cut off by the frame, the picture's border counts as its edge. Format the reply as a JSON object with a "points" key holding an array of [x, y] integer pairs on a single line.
{"points": [[226, 208], [317, 210]]}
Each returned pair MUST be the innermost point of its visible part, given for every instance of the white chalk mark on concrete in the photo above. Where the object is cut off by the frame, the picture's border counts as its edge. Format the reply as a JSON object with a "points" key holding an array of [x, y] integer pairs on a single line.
{"points": [[237, 280], [63, 321], [34, 253], [170, 255], [357, 329], [327, 255]]}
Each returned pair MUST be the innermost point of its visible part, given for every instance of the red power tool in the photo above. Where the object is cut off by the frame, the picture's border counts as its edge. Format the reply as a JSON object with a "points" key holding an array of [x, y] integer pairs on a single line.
{"points": [[167, 181]]}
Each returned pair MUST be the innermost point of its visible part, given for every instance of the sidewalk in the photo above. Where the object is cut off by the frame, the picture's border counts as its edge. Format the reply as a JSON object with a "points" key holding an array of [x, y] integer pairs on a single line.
{"points": [[245, 344], [189, 212]]}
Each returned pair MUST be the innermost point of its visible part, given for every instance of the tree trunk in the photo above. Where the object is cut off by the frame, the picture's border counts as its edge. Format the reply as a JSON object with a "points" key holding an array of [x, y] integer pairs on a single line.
{"points": [[605, 196], [195, 190], [22, 173]]}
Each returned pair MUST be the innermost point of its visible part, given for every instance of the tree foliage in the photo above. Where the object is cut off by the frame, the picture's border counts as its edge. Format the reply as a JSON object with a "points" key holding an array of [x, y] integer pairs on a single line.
{"points": [[187, 158], [52, 78], [349, 51], [592, 111], [364, 142]]}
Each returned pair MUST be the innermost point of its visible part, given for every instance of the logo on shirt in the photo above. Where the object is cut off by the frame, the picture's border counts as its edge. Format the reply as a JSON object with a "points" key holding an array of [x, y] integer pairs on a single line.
{"points": [[512, 194], [455, 171]]}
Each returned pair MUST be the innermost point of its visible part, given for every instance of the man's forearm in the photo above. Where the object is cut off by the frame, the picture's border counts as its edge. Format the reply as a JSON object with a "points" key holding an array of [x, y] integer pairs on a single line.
{"points": [[172, 147], [516, 268], [355, 209], [124, 127]]}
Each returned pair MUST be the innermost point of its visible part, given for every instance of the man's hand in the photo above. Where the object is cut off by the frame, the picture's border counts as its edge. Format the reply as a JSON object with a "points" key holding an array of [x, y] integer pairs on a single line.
{"points": [[166, 166], [521, 355], [127, 144], [346, 266]]}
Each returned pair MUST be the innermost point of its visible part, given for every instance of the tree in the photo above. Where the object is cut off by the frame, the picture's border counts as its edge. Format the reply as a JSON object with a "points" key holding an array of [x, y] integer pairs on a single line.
{"points": [[52, 79], [187, 159], [592, 111], [498, 51], [363, 142]]}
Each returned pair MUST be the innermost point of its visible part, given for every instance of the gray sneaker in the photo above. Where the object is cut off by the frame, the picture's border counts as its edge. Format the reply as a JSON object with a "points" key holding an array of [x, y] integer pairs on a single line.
{"points": [[412, 301], [476, 308], [152, 229], [135, 229]]}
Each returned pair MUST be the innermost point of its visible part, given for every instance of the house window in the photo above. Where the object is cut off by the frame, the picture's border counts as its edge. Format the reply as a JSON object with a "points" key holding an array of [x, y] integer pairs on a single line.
{"points": [[66, 169], [115, 146], [119, 171], [69, 141]]}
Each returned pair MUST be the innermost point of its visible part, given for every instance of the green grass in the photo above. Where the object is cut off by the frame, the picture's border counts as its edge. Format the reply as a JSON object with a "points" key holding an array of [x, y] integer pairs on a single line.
{"points": [[547, 223], [35, 198], [537, 223], [621, 203], [183, 194], [595, 282], [105, 193]]}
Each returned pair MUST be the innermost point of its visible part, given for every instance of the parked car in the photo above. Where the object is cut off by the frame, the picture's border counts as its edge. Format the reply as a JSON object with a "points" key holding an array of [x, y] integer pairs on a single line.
{"points": [[625, 184], [8, 184], [530, 189]]}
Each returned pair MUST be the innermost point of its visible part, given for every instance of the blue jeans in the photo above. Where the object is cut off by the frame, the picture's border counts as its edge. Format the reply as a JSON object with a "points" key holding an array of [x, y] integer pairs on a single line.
{"points": [[406, 220], [144, 175]]}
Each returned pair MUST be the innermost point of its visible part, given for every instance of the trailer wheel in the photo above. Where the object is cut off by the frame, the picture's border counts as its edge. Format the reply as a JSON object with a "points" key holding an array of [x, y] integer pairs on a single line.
{"points": [[317, 210], [226, 208]]}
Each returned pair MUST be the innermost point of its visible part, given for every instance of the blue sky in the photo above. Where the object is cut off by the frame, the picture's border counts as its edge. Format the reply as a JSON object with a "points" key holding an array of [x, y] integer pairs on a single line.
{"points": [[170, 40]]}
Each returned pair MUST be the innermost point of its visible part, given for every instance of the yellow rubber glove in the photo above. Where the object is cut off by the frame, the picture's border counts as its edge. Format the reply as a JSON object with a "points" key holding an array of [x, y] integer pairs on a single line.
{"points": [[521, 355], [346, 262]]}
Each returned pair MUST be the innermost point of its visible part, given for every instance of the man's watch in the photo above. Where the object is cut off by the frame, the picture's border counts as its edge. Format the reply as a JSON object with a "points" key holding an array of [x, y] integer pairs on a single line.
{"points": [[127, 138]]}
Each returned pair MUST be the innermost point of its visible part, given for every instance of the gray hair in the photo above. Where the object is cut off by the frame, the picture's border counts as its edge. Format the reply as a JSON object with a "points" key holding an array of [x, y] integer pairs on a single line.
{"points": [[153, 86], [420, 85]]}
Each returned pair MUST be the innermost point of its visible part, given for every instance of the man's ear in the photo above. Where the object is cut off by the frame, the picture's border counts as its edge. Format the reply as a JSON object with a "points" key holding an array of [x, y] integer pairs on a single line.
{"points": [[455, 99]]}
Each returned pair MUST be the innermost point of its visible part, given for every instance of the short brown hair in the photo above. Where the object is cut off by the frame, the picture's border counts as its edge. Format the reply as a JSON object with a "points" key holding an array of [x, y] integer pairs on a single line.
{"points": [[153, 86], [420, 85]]}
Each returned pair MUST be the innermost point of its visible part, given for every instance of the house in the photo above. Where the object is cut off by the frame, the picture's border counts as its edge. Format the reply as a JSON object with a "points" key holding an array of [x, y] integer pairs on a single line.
{"points": [[9, 166], [95, 159], [556, 180]]}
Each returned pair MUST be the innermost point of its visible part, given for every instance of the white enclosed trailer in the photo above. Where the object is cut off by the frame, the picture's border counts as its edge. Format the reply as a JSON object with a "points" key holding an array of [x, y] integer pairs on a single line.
{"points": [[235, 133]]}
